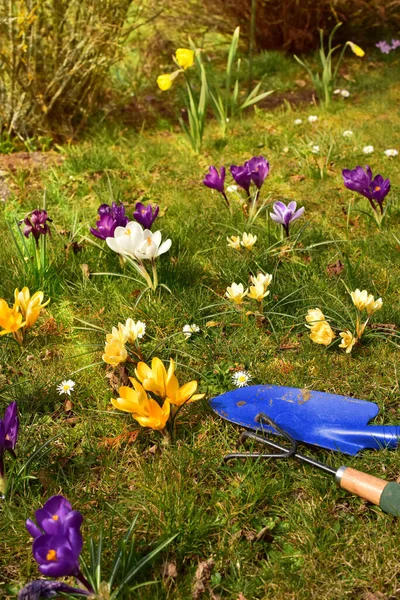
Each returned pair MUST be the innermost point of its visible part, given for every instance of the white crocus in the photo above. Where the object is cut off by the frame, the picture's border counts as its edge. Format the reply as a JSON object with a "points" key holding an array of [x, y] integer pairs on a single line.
{"points": [[127, 240], [151, 246]]}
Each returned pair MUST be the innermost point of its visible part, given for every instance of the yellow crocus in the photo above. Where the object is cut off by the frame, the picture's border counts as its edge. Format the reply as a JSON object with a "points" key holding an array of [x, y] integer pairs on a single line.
{"points": [[184, 57], [10, 318], [356, 49], [248, 240], [236, 293], [315, 316], [348, 340], [155, 378], [257, 292], [181, 395], [30, 307], [262, 279], [120, 334], [146, 411], [361, 299], [234, 242], [373, 305], [322, 333], [114, 351], [164, 82]]}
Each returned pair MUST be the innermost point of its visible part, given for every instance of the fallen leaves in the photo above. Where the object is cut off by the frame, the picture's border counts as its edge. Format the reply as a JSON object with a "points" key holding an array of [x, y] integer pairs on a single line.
{"points": [[335, 269], [202, 578]]}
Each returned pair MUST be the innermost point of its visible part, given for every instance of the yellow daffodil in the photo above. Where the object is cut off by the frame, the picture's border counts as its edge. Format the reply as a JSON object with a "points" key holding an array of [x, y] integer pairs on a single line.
{"points": [[184, 57], [236, 293], [262, 279], [348, 340], [234, 242], [257, 292], [146, 411], [120, 334], [322, 333], [315, 316], [30, 307], [373, 305], [10, 318], [114, 351], [356, 49], [180, 395], [164, 82], [155, 379], [248, 240]]}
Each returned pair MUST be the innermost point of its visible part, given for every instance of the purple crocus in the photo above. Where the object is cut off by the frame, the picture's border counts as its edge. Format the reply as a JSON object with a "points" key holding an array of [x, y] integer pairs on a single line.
{"points": [[43, 588], [242, 175], [111, 217], [216, 181], [145, 215], [384, 47], [56, 555], [36, 224], [395, 44], [9, 427], [56, 518], [258, 167], [362, 181], [286, 214]]}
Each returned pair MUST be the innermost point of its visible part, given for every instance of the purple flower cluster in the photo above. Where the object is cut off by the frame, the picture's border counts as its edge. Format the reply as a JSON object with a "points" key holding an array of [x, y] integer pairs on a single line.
{"points": [[253, 171], [36, 224], [362, 181], [57, 539], [111, 217], [9, 427], [386, 48]]}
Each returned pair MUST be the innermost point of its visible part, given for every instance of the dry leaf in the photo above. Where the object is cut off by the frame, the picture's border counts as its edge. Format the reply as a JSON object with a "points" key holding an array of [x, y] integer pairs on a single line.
{"points": [[169, 570], [128, 437], [300, 83], [335, 268], [85, 270], [241, 596], [285, 367], [71, 421], [213, 324], [297, 178], [374, 596], [68, 406], [202, 578]]}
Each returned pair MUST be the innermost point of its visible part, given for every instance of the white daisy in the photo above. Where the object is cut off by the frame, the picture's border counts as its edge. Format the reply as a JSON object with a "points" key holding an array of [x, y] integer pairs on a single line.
{"points": [[391, 152], [231, 189], [337, 91], [345, 93], [66, 387], [368, 149], [315, 149], [298, 121], [188, 330], [140, 329], [241, 378], [347, 133], [312, 118]]}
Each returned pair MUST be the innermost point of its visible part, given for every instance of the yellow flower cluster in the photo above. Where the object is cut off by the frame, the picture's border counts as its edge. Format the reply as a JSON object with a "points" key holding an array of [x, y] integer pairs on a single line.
{"points": [[161, 383], [23, 314], [184, 58], [246, 241], [258, 291], [115, 351], [322, 333]]}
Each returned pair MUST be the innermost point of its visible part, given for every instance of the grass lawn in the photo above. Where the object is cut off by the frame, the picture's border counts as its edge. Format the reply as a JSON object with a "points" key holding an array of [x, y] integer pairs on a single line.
{"points": [[316, 540]]}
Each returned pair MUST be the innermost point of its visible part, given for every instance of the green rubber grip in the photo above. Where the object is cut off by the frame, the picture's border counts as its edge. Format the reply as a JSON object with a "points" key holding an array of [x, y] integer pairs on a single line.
{"points": [[390, 499]]}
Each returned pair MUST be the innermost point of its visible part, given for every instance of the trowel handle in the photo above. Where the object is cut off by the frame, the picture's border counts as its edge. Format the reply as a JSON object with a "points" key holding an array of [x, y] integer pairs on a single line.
{"points": [[385, 494]]}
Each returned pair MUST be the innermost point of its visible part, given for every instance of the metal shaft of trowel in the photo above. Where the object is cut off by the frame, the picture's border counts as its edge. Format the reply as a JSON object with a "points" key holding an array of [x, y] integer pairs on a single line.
{"points": [[300, 457]]}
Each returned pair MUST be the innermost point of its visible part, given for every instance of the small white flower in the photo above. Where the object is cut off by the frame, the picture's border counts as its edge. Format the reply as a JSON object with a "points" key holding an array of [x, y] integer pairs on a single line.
{"points": [[232, 189], [66, 387], [188, 330], [298, 121], [345, 93], [337, 91], [140, 329], [368, 149], [347, 133], [285, 149], [391, 152], [241, 378], [315, 149], [312, 118]]}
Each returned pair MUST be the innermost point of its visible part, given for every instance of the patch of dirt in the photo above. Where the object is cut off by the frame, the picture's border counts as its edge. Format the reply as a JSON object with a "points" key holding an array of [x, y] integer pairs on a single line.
{"points": [[294, 97], [29, 160]]}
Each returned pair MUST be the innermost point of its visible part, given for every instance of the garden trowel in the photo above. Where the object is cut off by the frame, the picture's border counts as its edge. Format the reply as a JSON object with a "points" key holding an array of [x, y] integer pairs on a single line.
{"points": [[326, 420]]}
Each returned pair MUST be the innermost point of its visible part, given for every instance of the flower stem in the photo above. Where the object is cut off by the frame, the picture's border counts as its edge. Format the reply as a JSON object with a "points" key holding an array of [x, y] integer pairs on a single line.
{"points": [[82, 579]]}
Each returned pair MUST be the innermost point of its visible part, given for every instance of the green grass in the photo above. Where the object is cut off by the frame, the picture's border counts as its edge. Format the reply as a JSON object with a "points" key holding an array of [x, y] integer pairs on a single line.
{"points": [[320, 542]]}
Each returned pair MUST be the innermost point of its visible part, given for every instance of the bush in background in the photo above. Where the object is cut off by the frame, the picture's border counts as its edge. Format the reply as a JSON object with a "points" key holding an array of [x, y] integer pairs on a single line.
{"points": [[54, 57]]}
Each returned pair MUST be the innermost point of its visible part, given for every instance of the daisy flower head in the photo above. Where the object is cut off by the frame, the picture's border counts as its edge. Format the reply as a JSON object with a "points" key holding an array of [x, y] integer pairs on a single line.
{"points": [[315, 149], [312, 119], [345, 93], [337, 91], [188, 330], [232, 189], [241, 378], [347, 133], [391, 152], [298, 121], [368, 149], [66, 387]]}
